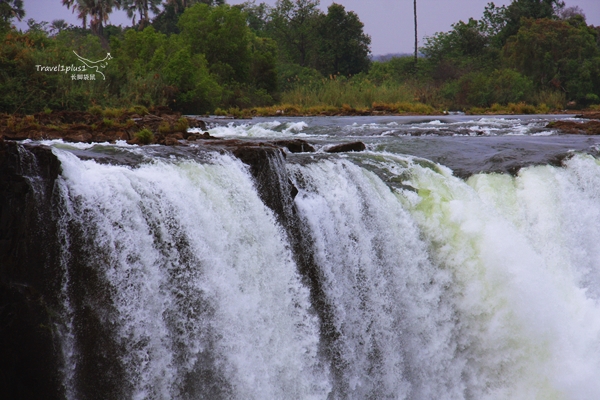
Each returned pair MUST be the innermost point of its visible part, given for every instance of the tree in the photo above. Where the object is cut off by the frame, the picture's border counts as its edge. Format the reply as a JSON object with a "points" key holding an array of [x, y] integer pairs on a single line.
{"points": [[519, 9], [344, 46], [463, 41], [294, 25], [97, 11], [571, 12], [221, 34], [143, 7], [257, 16], [181, 5], [166, 20], [10, 9], [155, 69], [557, 55], [58, 25]]}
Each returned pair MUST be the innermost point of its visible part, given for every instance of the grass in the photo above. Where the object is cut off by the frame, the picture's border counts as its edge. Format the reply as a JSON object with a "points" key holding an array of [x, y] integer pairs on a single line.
{"points": [[341, 92], [511, 108]]}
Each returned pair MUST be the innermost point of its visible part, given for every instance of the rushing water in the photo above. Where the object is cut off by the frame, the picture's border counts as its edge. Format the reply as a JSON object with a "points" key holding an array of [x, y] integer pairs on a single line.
{"points": [[389, 275]]}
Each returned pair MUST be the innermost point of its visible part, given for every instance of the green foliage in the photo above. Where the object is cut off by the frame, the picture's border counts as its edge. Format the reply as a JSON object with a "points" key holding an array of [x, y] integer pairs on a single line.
{"points": [[294, 25], [181, 125], [164, 127], [344, 48], [26, 89], [263, 68], [556, 55], [9, 10], [464, 40], [139, 110], [145, 136], [515, 12], [143, 7], [161, 70], [166, 21], [333, 43], [502, 87], [290, 76], [339, 91], [221, 35], [397, 69], [256, 16], [200, 56]]}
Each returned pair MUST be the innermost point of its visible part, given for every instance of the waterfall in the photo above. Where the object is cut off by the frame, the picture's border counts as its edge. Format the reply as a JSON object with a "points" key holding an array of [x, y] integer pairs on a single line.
{"points": [[188, 282], [187, 274], [523, 254], [393, 330]]}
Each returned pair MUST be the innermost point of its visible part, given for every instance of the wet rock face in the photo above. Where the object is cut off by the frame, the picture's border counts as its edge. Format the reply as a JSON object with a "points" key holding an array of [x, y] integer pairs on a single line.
{"points": [[31, 273], [29, 359], [345, 147], [296, 145]]}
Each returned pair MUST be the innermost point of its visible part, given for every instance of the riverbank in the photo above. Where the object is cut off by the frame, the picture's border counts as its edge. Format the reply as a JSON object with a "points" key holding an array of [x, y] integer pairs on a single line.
{"points": [[161, 125], [377, 109]]}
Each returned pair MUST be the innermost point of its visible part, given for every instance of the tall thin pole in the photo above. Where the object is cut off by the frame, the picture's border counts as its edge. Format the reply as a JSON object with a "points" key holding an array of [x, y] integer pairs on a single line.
{"points": [[416, 41]]}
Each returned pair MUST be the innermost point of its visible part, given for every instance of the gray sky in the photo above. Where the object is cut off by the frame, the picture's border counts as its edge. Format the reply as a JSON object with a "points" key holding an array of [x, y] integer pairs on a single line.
{"points": [[388, 22]]}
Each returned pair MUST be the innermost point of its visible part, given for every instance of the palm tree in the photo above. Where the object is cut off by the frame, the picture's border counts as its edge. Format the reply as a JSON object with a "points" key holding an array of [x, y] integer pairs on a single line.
{"points": [[58, 25], [142, 7], [183, 4], [97, 10], [11, 9]]}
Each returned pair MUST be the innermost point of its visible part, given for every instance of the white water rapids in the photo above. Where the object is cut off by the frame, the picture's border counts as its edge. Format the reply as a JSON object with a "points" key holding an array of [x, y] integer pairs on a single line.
{"points": [[435, 287]]}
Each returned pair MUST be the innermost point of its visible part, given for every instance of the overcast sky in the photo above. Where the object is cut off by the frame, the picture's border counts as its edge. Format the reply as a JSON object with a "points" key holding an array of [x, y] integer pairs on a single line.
{"points": [[388, 22]]}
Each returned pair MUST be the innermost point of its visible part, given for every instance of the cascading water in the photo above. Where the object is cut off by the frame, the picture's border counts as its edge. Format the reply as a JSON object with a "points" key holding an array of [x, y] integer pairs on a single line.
{"points": [[192, 281], [393, 332], [373, 275]]}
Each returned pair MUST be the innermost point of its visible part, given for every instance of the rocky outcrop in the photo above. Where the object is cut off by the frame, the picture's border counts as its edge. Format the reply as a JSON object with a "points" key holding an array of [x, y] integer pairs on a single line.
{"points": [[576, 128], [295, 145], [29, 276], [345, 147], [101, 126], [589, 115]]}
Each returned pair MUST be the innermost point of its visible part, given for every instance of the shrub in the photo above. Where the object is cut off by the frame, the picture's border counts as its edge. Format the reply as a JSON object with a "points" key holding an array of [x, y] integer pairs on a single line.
{"points": [[139, 110], [145, 136], [164, 127], [181, 125], [95, 110]]}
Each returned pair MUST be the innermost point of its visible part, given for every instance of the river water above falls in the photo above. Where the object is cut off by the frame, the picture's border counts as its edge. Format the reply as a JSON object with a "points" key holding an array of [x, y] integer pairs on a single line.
{"points": [[457, 257]]}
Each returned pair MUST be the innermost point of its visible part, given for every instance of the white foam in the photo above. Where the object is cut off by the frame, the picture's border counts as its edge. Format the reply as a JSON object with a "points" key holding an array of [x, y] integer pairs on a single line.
{"points": [[271, 129], [198, 270]]}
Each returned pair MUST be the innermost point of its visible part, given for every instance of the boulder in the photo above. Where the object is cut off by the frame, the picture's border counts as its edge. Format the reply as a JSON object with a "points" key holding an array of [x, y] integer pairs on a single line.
{"points": [[345, 147], [296, 145]]}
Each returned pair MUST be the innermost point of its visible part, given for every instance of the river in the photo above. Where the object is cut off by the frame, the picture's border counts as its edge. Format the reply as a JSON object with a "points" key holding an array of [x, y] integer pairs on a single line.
{"points": [[458, 257]]}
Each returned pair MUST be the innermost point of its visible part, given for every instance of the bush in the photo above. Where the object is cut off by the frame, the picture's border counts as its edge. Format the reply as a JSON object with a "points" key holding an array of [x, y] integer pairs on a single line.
{"points": [[145, 136], [502, 86], [181, 125]]}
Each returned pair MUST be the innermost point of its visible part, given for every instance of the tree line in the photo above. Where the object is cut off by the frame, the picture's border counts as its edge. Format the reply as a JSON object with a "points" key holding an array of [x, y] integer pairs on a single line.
{"points": [[198, 56], [530, 50]]}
